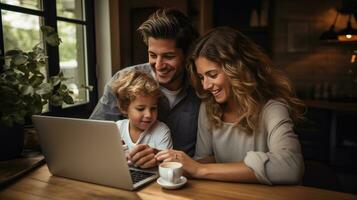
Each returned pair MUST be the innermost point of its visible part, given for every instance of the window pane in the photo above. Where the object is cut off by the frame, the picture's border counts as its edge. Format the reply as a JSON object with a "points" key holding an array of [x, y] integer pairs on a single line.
{"points": [[21, 31], [33, 4], [72, 59], [70, 9]]}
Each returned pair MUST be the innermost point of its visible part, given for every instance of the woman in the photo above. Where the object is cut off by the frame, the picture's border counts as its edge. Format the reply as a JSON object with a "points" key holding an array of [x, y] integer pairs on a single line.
{"points": [[245, 128]]}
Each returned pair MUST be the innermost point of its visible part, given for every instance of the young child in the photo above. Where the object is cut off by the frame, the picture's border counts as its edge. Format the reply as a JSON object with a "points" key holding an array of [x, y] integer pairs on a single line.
{"points": [[137, 96]]}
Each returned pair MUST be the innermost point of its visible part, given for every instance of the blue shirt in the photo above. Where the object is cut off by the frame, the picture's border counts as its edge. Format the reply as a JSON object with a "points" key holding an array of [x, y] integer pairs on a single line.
{"points": [[181, 119]]}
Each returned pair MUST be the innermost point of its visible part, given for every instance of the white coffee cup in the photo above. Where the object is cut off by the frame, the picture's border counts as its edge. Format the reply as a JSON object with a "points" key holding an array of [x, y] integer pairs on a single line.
{"points": [[171, 172]]}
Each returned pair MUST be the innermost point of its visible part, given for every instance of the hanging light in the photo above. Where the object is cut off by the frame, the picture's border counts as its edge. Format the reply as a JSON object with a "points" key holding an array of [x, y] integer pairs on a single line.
{"points": [[331, 34], [349, 33]]}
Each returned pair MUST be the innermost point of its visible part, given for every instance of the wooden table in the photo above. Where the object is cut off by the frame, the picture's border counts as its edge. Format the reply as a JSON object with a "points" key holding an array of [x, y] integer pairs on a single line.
{"points": [[40, 184]]}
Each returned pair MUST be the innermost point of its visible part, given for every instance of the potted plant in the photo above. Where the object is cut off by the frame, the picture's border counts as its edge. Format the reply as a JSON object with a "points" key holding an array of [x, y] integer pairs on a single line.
{"points": [[24, 91]]}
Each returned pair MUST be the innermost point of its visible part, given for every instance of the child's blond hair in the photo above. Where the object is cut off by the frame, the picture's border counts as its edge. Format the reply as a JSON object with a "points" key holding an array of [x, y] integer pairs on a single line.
{"points": [[132, 84]]}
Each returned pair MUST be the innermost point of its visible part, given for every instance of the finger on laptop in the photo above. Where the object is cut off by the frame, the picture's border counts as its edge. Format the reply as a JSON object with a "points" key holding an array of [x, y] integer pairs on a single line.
{"points": [[150, 164], [138, 148], [140, 154], [146, 161]]}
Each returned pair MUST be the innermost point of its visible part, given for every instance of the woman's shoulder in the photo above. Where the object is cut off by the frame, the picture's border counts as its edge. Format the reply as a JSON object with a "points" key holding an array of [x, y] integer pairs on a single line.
{"points": [[275, 105], [275, 112], [203, 111], [203, 106], [275, 109]]}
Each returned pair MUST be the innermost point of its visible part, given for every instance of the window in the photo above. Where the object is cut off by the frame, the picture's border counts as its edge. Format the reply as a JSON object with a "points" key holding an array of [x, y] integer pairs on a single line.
{"points": [[73, 19]]}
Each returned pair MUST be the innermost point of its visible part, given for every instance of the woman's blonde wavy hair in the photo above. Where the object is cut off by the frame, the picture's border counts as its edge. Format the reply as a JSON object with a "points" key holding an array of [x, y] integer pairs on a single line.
{"points": [[134, 83], [253, 78]]}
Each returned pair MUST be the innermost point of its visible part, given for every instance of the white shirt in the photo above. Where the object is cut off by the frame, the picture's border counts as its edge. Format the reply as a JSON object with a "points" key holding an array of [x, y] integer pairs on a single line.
{"points": [[171, 95], [157, 136], [273, 152]]}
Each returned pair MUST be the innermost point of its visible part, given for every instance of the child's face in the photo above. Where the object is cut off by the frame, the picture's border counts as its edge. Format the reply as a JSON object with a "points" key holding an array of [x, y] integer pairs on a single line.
{"points": [[142, 112]]}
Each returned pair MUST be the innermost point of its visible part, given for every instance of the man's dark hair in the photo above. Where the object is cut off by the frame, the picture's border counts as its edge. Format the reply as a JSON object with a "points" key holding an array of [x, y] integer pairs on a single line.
{"points": [[169, 24]]}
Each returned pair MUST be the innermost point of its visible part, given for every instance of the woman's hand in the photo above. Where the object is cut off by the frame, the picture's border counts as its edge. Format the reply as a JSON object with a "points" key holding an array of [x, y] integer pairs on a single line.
{"points": [[190, 166]]}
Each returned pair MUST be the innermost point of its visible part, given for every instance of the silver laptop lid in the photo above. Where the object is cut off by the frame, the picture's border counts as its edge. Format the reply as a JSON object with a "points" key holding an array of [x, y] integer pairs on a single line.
{"points": [[87, 150]]}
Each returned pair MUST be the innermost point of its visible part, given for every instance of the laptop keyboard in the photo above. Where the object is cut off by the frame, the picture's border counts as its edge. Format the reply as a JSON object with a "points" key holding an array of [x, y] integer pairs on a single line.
{"points": [[137, 176]]}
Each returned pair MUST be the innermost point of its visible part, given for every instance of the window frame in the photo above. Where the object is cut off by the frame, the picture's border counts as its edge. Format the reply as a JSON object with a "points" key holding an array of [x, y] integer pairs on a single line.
{"points": [[50, 18]]}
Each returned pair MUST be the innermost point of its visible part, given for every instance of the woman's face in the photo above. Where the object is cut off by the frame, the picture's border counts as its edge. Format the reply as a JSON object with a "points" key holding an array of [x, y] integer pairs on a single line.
{"points": [[213, 79]]}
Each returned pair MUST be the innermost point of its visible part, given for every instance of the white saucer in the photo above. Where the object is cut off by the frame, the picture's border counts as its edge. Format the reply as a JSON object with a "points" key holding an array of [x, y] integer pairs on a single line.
{"points": [[171, 186]]}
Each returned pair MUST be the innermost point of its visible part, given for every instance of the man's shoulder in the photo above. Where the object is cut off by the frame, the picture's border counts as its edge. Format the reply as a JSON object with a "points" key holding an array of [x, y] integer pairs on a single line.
{"points": [[195, 100]]}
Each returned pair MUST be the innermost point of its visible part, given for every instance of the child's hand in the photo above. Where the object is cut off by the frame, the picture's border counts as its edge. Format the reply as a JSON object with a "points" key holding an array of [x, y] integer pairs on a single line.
{"points": [[142, 155], [126, 152]]}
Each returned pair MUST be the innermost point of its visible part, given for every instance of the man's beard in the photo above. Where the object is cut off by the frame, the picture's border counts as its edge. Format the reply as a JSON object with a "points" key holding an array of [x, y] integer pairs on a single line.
{"points": [[173, 79]]}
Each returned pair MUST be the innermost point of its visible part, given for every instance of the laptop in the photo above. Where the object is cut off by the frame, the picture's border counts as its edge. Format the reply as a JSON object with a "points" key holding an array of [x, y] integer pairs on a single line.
{"points": [[88, 150]]}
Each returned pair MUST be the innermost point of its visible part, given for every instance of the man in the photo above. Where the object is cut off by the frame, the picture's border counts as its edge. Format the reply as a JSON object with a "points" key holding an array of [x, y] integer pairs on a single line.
{"points": [[168, 34]]}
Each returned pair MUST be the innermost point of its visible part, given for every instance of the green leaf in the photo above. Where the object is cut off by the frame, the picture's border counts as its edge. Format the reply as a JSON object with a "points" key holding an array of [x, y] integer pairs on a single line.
{"points": [[7, 120], [45, 88], [37, 104], [32, 66], [60, 74], [19, 119], [41, 63], [37, 50], [7, 64], [47, 29], [36, 80], [68, 99], [63, 87], [56, 100], [27, 90], [24, 69], [23, 112], [19, 59], [46, 96], [7, 90], [53, 39], [35, 109], [45, 101], [13, 52], [55, 80], [51, 36]]}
